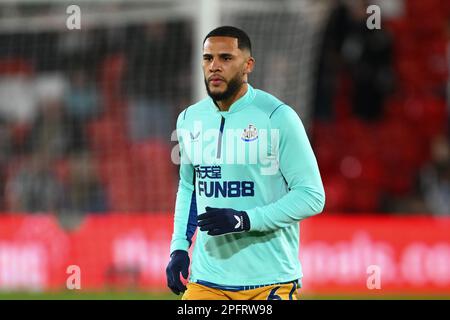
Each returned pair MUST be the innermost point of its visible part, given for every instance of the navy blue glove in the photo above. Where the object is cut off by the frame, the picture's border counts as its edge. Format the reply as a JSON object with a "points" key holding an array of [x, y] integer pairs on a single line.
{"points": [[221, 221], [179, 262]]}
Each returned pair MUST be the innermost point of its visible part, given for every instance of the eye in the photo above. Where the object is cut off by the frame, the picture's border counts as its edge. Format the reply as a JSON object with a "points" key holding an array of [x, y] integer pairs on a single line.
{"points": [[206, 58]]}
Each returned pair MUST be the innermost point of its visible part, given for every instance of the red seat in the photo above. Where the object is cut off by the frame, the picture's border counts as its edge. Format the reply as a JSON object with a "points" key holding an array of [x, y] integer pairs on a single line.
{"points": [[107, 136], [337, 194], [116, 174], [155, 174], [15, 66], [110, 79], [364, 198], [142, 179], [326, 146]]}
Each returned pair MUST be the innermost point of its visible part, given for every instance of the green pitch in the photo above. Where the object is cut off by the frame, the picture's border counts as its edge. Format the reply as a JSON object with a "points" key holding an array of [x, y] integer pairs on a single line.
{"points": [[80, 295]]}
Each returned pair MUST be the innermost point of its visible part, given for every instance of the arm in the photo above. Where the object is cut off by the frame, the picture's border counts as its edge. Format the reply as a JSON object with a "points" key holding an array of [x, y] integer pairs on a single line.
{"points": [[185, 219], [306, 196], [185, 222]]}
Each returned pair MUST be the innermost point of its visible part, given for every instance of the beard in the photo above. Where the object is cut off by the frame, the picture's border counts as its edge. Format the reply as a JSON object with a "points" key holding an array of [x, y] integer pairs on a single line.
{"points": [[233, 87]]}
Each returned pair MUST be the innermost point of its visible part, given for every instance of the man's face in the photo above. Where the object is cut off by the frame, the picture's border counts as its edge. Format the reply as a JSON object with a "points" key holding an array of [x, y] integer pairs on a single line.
{"points": [[225, 67]]}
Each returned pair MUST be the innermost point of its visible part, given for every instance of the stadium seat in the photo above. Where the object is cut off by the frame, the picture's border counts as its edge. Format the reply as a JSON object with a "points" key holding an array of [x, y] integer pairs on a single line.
{"points": [[337, 193], [110, 79], [62, 169], [365, 198], [107, 136], [116, 174], [15, 66], [326, 146], [140, 179], [155, 174]]}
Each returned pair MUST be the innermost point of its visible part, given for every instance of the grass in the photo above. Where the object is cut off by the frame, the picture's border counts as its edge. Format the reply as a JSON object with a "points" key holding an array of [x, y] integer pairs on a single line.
{"points": [[81, 295]]}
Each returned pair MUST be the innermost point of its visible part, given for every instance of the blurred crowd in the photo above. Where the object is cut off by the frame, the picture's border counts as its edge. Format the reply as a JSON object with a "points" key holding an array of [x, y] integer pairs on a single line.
{"points": [[81, 112], [381, 111], [86, 117]]}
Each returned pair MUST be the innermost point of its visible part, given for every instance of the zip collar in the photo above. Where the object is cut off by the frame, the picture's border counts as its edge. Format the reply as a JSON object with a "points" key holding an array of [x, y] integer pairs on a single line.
{"points": [[239, 104]]}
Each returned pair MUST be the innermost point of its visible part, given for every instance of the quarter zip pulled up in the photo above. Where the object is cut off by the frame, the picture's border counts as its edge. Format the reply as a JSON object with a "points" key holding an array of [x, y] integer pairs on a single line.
{"points": [[219, 141]]}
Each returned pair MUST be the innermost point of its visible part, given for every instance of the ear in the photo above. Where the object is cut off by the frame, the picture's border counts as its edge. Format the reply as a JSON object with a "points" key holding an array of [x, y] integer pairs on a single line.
{"points": [[249, 65]]}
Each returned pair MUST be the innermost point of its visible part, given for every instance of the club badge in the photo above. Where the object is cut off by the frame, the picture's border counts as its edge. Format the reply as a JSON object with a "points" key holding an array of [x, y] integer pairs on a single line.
{"points": [[250, 133]]}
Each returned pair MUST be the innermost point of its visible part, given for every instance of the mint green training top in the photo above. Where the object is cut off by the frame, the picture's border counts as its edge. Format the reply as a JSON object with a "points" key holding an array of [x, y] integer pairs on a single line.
{"points": [[255, 157]]}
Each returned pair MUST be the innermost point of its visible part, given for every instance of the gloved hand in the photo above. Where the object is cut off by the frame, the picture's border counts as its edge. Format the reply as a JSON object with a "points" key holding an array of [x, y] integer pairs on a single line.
{"points": [[222, 221], [179, 262]]}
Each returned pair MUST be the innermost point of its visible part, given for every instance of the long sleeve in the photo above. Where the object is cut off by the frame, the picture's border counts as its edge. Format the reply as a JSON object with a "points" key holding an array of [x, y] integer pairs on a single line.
{"points": [[185, 218], [298, 165]]}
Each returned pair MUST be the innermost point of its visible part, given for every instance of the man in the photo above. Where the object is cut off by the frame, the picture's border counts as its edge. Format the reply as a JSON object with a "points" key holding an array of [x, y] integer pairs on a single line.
{"points": [[248, 175]]}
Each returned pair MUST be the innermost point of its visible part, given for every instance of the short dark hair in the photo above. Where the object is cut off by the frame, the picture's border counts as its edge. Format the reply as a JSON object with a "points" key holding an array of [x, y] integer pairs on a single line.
{"points": [[233, 32]]}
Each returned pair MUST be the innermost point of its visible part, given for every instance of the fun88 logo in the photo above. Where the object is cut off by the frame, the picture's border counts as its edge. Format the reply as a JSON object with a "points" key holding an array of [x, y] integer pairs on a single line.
{"points": [[214, 188]]}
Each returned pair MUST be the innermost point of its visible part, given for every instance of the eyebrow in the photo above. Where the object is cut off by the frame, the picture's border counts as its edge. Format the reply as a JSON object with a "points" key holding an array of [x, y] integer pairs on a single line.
{"points": [[222, 55]]}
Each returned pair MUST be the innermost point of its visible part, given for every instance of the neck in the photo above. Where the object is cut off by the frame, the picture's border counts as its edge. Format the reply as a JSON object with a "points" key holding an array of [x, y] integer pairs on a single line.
{"points": [[224, 105]]}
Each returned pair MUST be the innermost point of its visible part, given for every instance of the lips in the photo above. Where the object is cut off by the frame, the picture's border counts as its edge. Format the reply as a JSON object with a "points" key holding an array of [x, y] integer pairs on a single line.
{"points": [[215, 82], [216, 79]]}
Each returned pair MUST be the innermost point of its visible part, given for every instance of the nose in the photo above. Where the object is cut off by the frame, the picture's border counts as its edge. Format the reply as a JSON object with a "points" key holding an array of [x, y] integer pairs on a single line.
{"points": [[215, 65]]}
